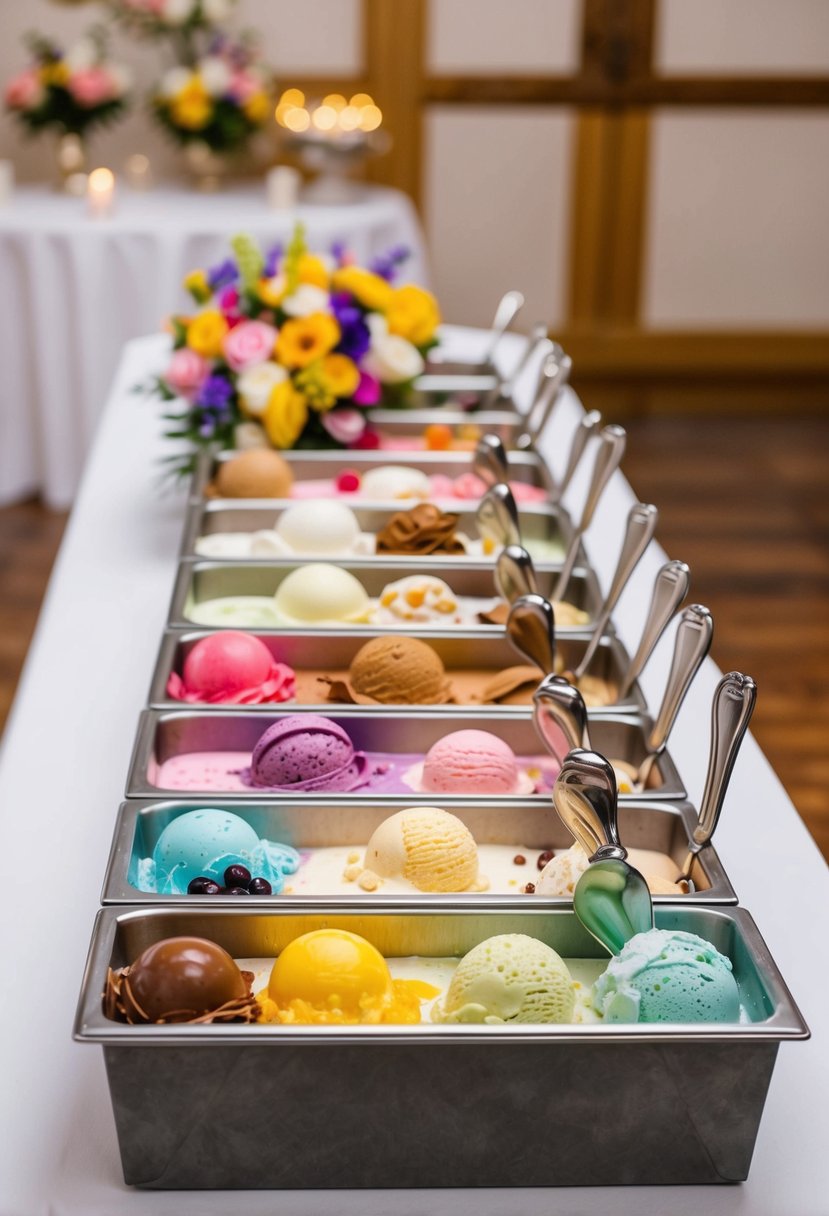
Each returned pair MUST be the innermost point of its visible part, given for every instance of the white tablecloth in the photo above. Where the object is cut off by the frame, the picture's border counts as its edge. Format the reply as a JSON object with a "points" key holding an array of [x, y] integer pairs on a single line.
{"points": [[76, 289], [62, 776]]}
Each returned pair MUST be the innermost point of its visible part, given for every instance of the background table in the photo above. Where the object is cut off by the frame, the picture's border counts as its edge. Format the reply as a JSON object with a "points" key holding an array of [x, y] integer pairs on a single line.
{"points": [[62, 775], [76, 289]]}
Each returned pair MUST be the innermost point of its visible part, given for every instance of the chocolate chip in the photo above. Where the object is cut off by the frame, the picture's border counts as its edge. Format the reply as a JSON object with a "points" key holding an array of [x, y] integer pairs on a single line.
{"points": [[529, 889], [544, 857], [519, 860]]}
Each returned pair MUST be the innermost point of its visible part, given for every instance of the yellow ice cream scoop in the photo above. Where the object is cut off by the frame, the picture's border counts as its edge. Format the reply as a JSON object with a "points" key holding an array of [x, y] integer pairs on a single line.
{"points": [[427, 846], [509, 978]]}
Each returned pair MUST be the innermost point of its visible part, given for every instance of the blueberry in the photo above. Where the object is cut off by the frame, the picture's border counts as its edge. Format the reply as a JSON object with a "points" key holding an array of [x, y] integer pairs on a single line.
{"points": [[202, 886], [233, 890], [260, 886], [237, 876]]}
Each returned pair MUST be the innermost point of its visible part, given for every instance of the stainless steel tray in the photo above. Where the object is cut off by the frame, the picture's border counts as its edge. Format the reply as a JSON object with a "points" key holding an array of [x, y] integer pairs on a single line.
{"points": [[520, 1105], [540, 525], [333, 650], [665, 827], [411, 423], [163, 735], [524, 466], [199, 580]]}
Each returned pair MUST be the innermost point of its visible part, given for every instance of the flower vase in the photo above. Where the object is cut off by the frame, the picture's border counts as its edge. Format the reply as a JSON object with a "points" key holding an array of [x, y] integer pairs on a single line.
{"points": [[206, 167], [71, 164]]}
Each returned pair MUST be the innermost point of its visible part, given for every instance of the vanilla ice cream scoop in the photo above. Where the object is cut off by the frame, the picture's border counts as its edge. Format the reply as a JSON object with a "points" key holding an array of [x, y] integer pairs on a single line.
{"points": [[426, 846], [509, 978], [320, 592], [319, 526]]}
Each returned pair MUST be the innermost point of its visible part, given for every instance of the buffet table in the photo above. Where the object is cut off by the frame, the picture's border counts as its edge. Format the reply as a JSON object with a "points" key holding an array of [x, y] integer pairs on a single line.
{"points": [[78, 288], [62, 776]]}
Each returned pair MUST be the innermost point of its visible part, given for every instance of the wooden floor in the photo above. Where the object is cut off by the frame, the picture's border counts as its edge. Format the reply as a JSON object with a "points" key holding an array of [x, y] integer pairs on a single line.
{"points": [[745, 503]]}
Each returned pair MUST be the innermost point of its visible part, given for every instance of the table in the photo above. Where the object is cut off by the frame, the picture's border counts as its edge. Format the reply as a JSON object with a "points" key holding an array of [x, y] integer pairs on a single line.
{"points": [[77, 289], [96, 642]]}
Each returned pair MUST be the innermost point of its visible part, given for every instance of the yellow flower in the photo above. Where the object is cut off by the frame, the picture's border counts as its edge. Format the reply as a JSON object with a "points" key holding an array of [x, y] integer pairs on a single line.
{"points": [[285, 415], [304, 339], [340, 374], [191, 107], [272, 291], [196, 283], [312, 269], [55, 72], [257, 107], [413, 313], [371, 291], [206, 332]]}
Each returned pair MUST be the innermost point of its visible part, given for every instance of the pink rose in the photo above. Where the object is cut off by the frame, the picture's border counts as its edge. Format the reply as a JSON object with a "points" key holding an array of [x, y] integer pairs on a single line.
{"points": [[92, 87], [24, 91], [242, 87], [247, 344], [368, 390], [187, 372], [344, 425]]}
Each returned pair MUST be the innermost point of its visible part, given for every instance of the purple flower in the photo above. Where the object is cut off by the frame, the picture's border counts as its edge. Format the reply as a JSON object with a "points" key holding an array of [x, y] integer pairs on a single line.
{"points": [[215, 395], [386, 263], [355, 338], [339, 250], [272, 260], [222, 275]]}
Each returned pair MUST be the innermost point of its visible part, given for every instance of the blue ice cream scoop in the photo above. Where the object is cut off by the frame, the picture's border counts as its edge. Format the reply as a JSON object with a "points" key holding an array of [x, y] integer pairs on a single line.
{"points": [[203, 843], [667, 976]]}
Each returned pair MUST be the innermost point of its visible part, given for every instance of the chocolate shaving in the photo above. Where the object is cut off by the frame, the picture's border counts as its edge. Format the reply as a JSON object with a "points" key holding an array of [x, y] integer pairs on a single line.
{"points": [[421, 530], [120, 1005]]}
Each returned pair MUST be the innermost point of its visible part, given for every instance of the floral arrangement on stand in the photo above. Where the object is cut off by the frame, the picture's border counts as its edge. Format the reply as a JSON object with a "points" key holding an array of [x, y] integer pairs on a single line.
{"points": [[287, 349], [68, 91], [218, 101], [165, 18]]}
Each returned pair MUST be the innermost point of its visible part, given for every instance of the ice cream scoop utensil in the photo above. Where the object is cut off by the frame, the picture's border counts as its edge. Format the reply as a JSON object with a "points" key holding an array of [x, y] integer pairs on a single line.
{"points": [[691, 645], [490, 460], [506, 384], [531, 628], [555, 372], [497, 516], [509, 306], [669, 590], [731, 712], [560, 717], [515, 574], [608, 458], [640, 527], [611, 898], [588, 426]]}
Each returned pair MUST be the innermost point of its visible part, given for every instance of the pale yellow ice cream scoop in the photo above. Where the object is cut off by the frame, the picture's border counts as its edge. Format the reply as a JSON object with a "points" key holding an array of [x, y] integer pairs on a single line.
{"points": [[428, 847], [509, 978]]}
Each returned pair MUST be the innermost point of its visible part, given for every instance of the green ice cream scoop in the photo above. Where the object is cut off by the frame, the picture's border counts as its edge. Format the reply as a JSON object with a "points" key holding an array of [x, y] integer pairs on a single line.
{"points": [[509, 978], [666, 975]]}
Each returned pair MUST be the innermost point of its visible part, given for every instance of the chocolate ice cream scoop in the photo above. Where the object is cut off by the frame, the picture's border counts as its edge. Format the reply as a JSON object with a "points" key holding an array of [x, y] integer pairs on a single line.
{"points": [[180, 979], [422, 529]]}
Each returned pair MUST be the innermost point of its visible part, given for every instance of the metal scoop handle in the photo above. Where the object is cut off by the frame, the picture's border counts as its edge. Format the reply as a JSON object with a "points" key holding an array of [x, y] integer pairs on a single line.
{"points": [[641, 525], [586, 800], [608, 458], [490, 460], [733, 705], [587, 427], [691, 645], [558, 367], [515, 574], [560, 717], [506, 384], [669, 590], [531, 629], [509, 306]]}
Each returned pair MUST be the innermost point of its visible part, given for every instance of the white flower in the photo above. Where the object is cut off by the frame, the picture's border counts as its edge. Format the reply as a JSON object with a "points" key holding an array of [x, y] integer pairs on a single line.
{"points": [[216, 10], [176, 12], [391, 359], [306, 299], [255, 385], [247, 435], [81, 55], [173, 81], [378, 326], [215, 75]]}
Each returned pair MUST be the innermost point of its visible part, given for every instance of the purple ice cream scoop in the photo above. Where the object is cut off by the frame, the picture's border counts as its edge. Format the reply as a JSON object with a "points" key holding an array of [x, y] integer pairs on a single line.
{"points": [[307, 752]]}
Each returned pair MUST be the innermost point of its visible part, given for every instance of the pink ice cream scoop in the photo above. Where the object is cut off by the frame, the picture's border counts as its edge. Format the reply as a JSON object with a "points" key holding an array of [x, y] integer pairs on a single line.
{"points": [[232, 667], [308, 752], [474, 762]]}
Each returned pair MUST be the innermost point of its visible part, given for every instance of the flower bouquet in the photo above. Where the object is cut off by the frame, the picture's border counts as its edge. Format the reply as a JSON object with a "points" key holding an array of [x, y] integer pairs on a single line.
{"points": [[161, 18], [218, 102], [287, 349], [70, 91]]}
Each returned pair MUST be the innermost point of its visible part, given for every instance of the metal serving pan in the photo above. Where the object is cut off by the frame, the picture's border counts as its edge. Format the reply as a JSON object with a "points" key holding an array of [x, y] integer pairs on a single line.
{"points": [[331, 652], [164, 735], [662, 826], [548, 528], [432, 1105], [524, 466], [199, 580], [410, 423]]}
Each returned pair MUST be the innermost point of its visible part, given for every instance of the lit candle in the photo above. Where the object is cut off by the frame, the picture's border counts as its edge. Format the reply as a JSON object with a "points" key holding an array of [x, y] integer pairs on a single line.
{"points": [[100, 193], [282, 187], [6, 182]]}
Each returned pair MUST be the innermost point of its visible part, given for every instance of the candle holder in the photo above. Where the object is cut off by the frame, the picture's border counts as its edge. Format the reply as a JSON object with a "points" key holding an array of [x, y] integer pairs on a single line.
{"points": [[332, 138]]}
